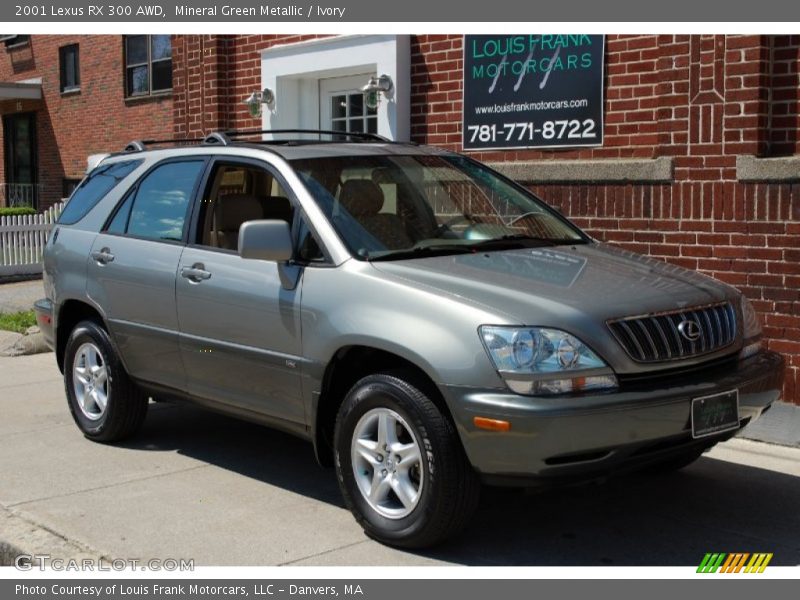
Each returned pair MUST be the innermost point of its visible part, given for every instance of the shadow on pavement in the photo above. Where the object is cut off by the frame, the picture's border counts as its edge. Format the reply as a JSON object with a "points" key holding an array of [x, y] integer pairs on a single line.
{"points": [[672, 519], [252, 450]]}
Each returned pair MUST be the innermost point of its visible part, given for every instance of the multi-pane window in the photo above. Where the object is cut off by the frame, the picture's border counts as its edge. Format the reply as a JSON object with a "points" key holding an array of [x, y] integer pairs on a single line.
{"points": [[148, 64], [69, 66], [350, 113], [15, 41]]}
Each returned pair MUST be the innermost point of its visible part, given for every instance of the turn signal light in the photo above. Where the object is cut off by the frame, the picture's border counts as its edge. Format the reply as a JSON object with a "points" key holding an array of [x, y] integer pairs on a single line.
{"points": [[491, 424]]}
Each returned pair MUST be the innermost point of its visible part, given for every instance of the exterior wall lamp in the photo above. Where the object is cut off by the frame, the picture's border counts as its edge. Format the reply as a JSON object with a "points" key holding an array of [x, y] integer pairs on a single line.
{"points": [[256, 99], [372, 90]]}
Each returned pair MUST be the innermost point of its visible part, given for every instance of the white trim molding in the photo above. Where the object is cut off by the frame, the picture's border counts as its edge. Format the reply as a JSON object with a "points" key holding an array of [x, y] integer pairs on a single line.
{"points": [[294, 71]]}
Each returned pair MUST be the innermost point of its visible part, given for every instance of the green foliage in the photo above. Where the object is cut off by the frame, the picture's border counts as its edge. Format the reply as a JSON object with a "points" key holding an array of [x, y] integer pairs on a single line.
{"points": [[18, 322], [17, 211]]}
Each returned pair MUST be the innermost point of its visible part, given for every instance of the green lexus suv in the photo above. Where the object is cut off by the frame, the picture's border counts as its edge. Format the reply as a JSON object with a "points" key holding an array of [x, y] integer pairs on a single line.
{"points": [[427, 324]]}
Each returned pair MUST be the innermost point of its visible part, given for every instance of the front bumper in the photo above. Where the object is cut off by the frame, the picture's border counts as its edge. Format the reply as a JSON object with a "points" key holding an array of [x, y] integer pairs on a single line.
{"points": [[595, 434], [44, 319]]}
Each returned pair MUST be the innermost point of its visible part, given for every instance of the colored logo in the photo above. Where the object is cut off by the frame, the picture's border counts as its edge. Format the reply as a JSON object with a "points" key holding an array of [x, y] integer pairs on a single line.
{"points": [[734, 563]]}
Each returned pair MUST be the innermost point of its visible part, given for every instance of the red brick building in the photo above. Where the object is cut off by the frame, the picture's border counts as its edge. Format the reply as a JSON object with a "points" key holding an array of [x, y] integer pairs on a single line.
{"points": [[64, 97], [699, 165]]}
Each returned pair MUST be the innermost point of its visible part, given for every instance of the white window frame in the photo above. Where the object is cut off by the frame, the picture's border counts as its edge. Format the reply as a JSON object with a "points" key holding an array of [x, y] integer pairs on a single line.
{"points": [[293, 72], [342, 86]]}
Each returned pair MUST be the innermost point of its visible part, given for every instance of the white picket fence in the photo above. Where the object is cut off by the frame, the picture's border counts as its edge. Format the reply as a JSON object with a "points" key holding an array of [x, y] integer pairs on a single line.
{"points": [[22, 241]]}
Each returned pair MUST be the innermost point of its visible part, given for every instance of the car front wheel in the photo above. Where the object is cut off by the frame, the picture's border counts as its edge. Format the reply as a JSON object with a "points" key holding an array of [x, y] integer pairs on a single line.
{"points": [[400, 464]]}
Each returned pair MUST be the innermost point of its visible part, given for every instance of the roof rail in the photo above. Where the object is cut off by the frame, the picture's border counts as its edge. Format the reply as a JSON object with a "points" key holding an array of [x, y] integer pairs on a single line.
{"points": [[225, 138], [141, 145], [217, 138], [134, 146], [356, 135]]}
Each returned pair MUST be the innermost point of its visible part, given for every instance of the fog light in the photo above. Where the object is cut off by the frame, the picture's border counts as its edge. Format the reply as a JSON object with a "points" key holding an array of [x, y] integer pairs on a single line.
{"points": [[549, 387], [750, 350], [554, 386]]}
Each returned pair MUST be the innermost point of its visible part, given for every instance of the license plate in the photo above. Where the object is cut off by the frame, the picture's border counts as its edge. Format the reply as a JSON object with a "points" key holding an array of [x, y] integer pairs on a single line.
{"points": [[715, 414]]}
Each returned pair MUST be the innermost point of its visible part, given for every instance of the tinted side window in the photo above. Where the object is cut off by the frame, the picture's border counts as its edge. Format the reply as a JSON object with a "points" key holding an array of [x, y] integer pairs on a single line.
{"points": [[161, 202], [96, 185], [309, 249], [120, 221]]}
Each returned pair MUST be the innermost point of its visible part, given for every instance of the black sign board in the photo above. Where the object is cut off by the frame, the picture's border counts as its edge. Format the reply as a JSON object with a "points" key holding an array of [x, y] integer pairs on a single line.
{"points": [[533, 91]]}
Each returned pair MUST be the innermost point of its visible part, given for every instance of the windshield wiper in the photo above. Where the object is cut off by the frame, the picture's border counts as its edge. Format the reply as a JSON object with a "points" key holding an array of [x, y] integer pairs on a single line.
{"points": [[522, 240], [423, 251], [506, 242]]}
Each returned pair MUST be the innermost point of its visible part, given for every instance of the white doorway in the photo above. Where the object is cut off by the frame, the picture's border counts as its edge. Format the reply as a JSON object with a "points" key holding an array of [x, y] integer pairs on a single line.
{"points": [[309, 78], [342, 106]]}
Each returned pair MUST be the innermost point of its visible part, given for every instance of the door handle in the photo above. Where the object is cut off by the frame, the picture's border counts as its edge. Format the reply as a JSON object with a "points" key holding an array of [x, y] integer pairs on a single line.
{"points": [[196, 273], [103, 257]]}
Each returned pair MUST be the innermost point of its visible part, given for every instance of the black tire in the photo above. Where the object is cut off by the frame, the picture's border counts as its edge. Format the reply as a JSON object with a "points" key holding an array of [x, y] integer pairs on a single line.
{"points": [[449, 488], [126, 404]]}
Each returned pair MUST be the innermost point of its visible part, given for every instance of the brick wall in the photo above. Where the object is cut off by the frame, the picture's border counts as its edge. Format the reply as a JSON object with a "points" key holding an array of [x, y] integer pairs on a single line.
{"points": [[784, 98], [666, 95], [72, 126]]}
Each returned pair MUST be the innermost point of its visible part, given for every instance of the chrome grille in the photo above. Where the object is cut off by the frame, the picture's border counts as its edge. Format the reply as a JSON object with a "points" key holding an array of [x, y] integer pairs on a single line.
{"points": [[660, 337]]}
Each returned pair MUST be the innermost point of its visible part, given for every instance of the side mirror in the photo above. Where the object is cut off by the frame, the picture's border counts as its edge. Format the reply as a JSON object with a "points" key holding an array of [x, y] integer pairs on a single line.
{"points": [[265, 240]]}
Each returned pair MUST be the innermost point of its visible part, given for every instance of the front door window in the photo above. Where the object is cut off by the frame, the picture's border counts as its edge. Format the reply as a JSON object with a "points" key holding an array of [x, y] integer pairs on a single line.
{"points": [[343, 107], [349, 113]]}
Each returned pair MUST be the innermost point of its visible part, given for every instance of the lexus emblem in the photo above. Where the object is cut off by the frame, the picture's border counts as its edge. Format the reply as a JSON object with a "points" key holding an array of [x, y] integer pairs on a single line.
{"points": [[690, 330]]}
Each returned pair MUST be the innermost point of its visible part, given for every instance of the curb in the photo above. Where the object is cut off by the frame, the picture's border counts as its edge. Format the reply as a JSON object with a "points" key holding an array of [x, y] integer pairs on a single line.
{"points": [[8, 554], [23, 536], [780, 425], [20, 278], [17, 344]]}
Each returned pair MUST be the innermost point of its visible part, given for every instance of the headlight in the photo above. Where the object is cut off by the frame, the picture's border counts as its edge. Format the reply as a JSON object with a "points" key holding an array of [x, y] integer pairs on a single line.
{"points": [[751, 330], [538, 360]]}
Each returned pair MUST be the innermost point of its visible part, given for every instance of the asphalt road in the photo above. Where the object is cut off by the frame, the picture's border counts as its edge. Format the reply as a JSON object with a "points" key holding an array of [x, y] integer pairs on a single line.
{"points": [[222, 492]]}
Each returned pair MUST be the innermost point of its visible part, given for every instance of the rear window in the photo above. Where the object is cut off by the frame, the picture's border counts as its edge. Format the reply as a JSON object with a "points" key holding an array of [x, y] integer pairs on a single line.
{"points": [[96, 185]]}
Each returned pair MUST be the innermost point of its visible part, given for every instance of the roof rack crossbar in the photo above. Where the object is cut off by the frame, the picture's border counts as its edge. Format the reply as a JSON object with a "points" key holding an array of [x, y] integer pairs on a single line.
{"points": [[358, 135]]}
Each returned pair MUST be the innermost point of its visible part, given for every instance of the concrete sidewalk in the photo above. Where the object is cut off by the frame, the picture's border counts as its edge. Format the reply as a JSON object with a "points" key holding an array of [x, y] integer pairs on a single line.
{"points": [[195, 485], [19, 296]]}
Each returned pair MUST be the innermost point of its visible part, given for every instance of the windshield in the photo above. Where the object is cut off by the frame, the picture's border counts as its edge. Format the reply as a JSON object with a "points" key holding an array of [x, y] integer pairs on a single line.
{"points": [[395, 207]]}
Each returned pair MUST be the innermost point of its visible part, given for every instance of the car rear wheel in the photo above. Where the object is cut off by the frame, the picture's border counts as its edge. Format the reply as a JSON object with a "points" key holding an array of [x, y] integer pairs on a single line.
{"points": [[400, 464], [105, 404]]}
